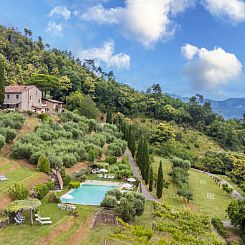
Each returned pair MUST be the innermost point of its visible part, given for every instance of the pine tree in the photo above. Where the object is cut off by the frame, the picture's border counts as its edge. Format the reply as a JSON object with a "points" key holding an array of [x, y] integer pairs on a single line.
{"points": [[151, 180], [159, 181], [2, 90], [109, 116]]}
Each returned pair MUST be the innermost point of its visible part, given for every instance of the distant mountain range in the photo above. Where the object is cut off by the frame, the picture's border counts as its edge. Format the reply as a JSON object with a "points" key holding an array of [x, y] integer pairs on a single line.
{"points": [[229, 108]]}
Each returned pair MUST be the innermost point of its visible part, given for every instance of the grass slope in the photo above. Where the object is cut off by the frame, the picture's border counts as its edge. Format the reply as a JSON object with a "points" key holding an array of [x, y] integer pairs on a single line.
{"points": [[61, 231], [201, 184], [17, 174]]}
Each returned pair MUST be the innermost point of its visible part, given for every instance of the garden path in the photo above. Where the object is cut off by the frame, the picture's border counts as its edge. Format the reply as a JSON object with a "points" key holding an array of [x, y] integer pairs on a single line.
{"points": [[137, 174]]}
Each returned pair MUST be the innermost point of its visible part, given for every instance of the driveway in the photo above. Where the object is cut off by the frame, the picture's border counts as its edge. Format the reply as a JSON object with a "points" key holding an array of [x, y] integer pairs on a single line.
{"points": [[137, 174]]}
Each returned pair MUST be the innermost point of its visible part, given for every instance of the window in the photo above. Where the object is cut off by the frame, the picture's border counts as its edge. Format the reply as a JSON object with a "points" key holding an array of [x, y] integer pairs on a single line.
{"points": [[17, 96], [30, 97], [38, 100], [7, 96], [17, 105]]}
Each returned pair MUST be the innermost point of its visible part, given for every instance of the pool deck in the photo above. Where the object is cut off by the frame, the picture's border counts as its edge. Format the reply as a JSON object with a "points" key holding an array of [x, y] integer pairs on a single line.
{"points": [[99, 182]]}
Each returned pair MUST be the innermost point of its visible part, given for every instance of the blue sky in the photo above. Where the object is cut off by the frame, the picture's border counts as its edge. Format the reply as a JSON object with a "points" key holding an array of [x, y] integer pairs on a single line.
{"points": [[188, 46]]}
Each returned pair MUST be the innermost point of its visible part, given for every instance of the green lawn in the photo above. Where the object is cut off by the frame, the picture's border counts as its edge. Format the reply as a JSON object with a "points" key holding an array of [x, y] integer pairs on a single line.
{"points": [[30, 234], [18, 174], [201, 185]]}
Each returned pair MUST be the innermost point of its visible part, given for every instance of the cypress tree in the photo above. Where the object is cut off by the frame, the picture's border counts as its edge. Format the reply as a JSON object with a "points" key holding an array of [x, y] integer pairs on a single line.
{"points": [[133, 146], [2, 88], [151, 180], [131, 141], [159, 181], [139, 155], [109, 116], [146, 163]]}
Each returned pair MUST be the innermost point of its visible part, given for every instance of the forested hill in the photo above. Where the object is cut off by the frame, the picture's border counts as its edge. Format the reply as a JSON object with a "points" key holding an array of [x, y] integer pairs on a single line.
{"points": [[60, 75], [229, 108]]}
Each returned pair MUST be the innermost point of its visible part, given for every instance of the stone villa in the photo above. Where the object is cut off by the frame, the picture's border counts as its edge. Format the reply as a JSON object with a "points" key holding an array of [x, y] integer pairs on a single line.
{"points": [[24, 98]]}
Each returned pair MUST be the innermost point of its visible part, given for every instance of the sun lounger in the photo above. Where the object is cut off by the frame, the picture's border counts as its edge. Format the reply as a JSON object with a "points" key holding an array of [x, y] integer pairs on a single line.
{"points": [[71, 207], [42, 218], [17, 221], [62, 206], [3, 178], [100, 175], [20, 217], [44, 222]]}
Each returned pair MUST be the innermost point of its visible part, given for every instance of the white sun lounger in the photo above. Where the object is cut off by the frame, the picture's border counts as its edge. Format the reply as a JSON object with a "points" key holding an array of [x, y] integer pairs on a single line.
{"points": [[3, 178], [42, 218], [44, 222]]}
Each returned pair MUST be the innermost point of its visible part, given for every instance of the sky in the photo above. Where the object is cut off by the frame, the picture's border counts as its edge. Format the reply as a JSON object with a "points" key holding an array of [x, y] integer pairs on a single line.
{"points": [[187, 46]]}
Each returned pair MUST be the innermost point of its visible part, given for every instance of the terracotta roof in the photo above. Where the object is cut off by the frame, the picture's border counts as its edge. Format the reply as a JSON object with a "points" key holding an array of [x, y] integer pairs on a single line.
{"points": [[17, 89]]}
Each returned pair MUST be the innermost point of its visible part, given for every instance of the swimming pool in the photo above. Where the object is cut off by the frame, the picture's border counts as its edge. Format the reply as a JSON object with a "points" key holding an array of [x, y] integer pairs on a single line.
{"points": [[88, 194]]}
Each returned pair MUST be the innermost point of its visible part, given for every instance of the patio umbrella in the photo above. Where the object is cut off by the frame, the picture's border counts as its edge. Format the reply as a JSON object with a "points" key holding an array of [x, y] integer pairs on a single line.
{"points": [[67, 197], [103, 170], [131, 180]]}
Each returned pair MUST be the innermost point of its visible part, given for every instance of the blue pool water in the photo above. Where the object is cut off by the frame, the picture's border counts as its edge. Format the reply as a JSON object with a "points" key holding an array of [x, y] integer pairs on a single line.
{"points": [[88, 194]]}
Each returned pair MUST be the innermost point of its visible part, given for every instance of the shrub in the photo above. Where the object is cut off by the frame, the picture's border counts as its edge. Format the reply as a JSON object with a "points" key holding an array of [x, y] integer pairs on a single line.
{"points": [[43, 189], [227, 189], [115, 192], [117, 148], [126, 210], [43, 117], [109, 201], [67, 180], [43, 164], [122, 166], [2, 141], [69, 160], [218, 225], [111, 160], [53, 198], [74, 184], [103, 165], [8, 133], [18, 192]]}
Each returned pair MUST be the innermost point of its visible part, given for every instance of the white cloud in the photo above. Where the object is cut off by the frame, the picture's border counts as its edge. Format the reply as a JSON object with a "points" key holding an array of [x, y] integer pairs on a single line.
{"points": [[209, 69], [189, 51], [179, 6], [60, 11], [55, 29], [106, 55], [231, 10], [147, 21]]}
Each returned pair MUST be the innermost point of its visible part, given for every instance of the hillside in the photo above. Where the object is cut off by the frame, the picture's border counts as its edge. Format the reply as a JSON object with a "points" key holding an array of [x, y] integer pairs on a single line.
{"points": [[229, 108]]}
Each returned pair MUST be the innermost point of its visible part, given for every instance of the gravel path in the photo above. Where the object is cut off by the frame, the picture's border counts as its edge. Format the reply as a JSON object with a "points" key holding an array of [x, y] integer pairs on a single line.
{"points": [[137, 174]]}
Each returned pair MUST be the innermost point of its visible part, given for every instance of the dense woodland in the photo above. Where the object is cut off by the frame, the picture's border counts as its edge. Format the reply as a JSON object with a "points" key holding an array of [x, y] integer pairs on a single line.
{"points": [[59, 74]]}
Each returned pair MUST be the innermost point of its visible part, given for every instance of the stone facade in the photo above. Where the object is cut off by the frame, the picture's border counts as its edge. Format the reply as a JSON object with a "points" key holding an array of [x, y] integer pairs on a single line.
{"points": [[23, 98]]}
